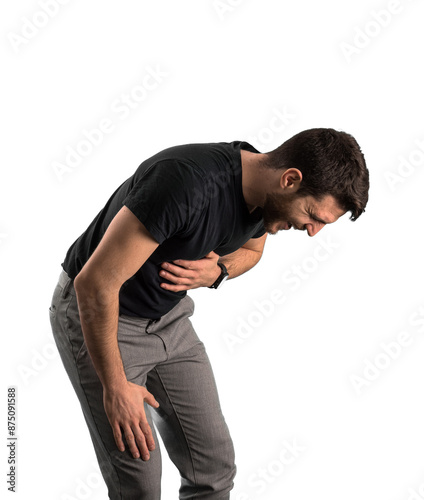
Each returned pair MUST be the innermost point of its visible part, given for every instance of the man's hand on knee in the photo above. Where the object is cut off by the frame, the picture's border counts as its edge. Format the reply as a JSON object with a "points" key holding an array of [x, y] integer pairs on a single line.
{"points": [[125, 410]]}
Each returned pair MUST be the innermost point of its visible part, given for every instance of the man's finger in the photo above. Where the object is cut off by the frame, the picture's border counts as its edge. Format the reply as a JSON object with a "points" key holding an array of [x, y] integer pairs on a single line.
{"points": [[177, 270], [175, 279], [118, 437], [130, 439], [148, 435], [151, 400], [175, 288], [140, 439], [186, 264]]}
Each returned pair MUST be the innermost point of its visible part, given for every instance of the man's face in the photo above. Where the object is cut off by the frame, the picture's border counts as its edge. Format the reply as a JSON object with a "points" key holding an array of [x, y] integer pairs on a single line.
{"points": [[306, 213]]}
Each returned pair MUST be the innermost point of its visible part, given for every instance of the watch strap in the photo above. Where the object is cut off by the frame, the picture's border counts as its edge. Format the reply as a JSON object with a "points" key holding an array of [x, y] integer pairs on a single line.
{"points": [[221, 277]]}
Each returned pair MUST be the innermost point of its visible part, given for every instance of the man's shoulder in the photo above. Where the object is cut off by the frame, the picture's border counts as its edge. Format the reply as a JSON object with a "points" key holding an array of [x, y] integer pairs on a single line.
{"points": [[200, 160], [195, 151]]}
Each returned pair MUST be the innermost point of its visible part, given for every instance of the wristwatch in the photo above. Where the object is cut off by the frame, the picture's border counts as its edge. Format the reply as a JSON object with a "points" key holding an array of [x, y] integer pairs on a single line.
{"points": [[221, 278]]}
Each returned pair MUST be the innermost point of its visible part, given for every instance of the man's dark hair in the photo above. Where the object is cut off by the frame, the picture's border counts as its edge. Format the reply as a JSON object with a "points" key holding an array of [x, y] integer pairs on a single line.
{"points": [[331, 162]]}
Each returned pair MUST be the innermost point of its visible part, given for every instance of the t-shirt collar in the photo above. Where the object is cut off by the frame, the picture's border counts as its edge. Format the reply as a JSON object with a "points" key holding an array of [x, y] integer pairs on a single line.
{"points": [[256, 215]]}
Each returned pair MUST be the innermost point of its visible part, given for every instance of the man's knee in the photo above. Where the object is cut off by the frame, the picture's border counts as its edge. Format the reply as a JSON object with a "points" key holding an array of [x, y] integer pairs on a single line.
{"points": [[134, 478], [216, 480], [223, 475]]}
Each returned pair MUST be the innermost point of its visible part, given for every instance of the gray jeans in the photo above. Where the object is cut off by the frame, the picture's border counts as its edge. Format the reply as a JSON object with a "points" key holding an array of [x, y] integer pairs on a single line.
{"points": [[167, 357]]}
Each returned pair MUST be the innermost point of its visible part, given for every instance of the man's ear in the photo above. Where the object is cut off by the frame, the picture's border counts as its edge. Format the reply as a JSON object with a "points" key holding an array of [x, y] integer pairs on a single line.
{"points": [[291, 179]]}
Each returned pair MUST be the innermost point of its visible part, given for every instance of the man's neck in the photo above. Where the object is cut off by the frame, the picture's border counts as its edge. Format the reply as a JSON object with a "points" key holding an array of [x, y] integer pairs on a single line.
{"points": [[253, 179]]}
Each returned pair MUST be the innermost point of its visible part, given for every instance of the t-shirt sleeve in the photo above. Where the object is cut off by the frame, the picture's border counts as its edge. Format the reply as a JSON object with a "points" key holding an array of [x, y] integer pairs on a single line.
{"points": [[161, 199]]}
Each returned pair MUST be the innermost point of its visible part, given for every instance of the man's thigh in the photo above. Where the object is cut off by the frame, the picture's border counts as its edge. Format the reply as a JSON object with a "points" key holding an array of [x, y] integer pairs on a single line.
{"points": [[124, 475], [190, 418]]}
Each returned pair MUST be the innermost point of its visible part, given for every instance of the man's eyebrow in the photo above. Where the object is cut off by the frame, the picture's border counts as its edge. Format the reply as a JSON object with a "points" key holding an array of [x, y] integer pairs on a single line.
{"points": [[318, 218]]}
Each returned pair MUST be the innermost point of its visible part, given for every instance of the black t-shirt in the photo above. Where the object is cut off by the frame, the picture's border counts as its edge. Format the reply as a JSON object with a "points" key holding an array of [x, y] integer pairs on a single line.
{"points": [[190, 199]]}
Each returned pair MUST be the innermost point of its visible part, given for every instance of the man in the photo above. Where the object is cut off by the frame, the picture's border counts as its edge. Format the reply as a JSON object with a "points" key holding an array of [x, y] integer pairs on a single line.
{"points": [[190, 216]]}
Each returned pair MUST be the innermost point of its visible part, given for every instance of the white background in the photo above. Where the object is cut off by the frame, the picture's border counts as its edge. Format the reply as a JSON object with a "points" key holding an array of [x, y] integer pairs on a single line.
{"points": [[231, 68]]}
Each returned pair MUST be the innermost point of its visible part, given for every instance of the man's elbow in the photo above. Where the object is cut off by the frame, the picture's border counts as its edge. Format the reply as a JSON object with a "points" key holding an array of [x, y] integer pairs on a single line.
{"points": [[83, 283], [94, 287], [258, 258]]}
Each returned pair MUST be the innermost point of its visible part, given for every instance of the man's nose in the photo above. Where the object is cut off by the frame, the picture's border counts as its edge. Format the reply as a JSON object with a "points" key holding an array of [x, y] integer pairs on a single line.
{"points": [[313, 229]]}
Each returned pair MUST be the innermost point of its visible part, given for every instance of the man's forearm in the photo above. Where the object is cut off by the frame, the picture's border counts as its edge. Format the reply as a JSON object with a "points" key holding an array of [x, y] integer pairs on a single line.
{"points": [[99, 315], [240, 261]]}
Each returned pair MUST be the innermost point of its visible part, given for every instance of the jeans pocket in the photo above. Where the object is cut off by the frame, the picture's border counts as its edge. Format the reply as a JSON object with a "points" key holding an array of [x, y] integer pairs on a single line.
{"points": [[55, 301]]}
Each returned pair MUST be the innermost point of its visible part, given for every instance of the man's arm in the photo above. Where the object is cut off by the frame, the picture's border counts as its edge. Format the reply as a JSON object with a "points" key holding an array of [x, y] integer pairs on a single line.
{"points": [[245, 257], [124, 248], [189, 274]]}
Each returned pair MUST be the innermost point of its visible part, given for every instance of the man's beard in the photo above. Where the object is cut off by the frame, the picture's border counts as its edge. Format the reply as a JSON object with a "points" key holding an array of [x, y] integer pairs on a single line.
{"points": [[277, 208]]}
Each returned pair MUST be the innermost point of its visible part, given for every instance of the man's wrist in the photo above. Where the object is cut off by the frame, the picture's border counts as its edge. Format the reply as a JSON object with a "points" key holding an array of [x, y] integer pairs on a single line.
{"points": [[223, 275], [113, 376], [115, 387]]}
